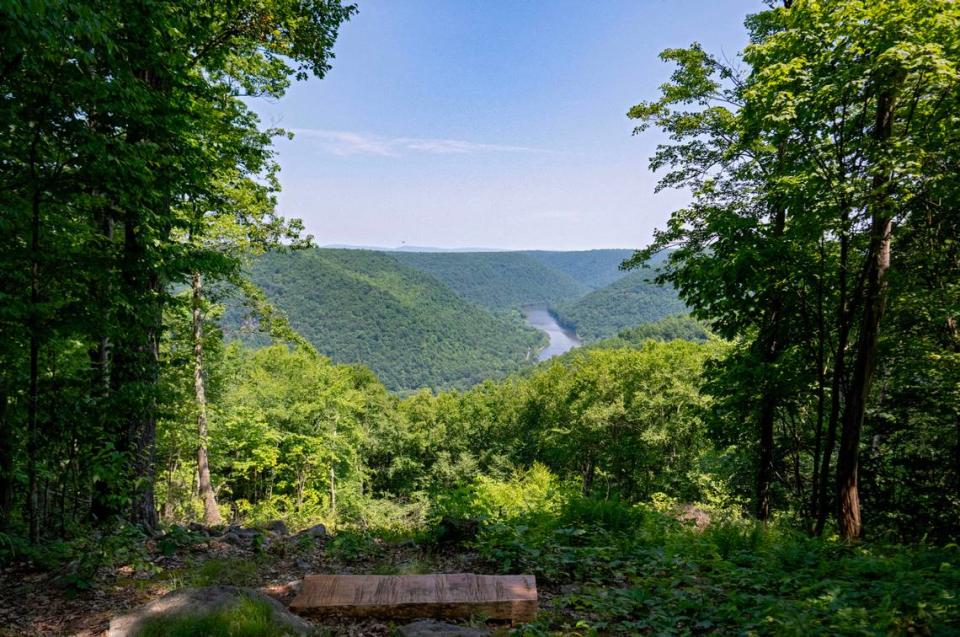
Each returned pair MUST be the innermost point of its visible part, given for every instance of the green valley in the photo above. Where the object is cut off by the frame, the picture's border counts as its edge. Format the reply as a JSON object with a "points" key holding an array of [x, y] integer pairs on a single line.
{"points": [[360, 306], [627, 302], [445, 320]]}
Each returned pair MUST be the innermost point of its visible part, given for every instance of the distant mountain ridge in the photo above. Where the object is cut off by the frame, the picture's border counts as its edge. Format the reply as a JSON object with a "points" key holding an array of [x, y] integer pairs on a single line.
{"points": [[497, 280], [593, 268], [448, 319], [358, 306]]}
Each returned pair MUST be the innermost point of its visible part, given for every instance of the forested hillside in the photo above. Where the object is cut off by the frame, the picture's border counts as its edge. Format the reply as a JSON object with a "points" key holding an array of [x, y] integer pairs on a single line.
{"points": [[627, 302], [593, 268], [496, 280], [359, 306], [444, 319], [667, 329]]}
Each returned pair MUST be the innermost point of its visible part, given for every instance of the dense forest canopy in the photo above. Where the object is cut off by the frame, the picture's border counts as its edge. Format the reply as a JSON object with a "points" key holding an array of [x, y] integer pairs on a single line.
{"points": [[784, 459], [497, 280], [442, 320], [358, 306], [628, 301]]}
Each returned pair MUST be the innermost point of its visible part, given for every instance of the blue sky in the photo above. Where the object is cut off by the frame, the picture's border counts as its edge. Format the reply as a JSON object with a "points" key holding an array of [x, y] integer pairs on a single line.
{"points": [[491, 124]]}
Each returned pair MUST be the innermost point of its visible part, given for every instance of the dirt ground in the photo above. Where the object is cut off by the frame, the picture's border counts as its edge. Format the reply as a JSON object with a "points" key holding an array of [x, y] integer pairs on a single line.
{"points": [[40, 604]]}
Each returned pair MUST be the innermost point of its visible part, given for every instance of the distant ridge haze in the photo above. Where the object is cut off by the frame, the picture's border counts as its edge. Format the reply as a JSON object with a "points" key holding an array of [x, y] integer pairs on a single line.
{"points": [[414, 248]]}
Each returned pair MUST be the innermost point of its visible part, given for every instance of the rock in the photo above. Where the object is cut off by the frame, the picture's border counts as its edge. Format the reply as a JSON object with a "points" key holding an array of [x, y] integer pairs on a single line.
{"points": [[198, 601], [196, 527], [277, 526], [316, 531], [231, 537], [303, 565], [433, 628]]}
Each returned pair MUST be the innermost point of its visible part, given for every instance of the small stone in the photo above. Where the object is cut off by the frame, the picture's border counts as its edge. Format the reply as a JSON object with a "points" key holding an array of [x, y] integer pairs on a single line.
{"points": [[434, 628]]}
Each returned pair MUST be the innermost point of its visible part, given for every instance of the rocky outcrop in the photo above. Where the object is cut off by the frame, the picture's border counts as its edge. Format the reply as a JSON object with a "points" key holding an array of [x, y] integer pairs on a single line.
{"points": [[201, 601]]}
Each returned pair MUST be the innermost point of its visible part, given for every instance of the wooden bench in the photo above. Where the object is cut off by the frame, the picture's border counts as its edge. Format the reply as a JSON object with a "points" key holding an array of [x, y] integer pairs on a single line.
{"points": [[500, 597]]}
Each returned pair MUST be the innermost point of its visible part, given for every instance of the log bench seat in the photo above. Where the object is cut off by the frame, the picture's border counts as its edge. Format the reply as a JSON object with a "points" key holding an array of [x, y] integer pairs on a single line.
{"points": [[499, 597]]}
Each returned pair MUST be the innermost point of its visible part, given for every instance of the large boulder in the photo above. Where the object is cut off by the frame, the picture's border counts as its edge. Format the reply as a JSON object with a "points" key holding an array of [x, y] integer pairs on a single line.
{"points": [[202, 601]]}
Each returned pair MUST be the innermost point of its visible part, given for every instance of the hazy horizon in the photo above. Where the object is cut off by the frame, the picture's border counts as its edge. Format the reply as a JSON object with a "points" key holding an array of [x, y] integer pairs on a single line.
{"points": [[465, 249]]}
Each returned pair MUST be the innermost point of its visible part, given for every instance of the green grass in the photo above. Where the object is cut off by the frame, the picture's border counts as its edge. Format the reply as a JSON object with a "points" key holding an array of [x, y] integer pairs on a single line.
{"points": [[226, 571], [247, 618]]}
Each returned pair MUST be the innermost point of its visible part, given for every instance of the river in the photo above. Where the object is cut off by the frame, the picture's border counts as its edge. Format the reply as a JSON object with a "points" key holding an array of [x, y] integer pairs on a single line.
{"points": [[561, 340]]}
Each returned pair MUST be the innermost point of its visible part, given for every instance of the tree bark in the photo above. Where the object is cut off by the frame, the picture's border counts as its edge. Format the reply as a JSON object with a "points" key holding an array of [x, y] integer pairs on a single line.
{"points": [[836, 386], [821, 392], [864, 367], [211, 514], [136, 374], [6, 465], [772, 346], [33, 435], [333, 490]]}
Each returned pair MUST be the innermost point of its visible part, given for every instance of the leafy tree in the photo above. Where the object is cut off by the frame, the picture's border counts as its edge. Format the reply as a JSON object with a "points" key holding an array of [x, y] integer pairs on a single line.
{"points": [[805, 170], [121, 123]]}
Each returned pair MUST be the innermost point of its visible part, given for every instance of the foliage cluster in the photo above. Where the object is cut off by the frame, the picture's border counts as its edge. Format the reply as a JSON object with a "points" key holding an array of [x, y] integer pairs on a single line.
{"points": [[630, 569]]}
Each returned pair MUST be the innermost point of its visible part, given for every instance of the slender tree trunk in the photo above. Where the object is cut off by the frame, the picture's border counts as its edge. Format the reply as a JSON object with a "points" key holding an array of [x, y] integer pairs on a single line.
{"points": [[864, 367], [821, 392], [6, 464], [211, 514], [333, 490], [33, 435], [589, 470], [765, 460], [772, 346], [836, 385]]}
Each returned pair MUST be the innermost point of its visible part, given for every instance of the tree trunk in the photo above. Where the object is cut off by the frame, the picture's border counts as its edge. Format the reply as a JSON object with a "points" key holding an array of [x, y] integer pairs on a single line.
{"points": [[136, 374], [836, 386], [772, 346], [103, 503], [6, 465], [589, 470], [333, 490], [864, 367], [211, 514], [33, 435], [821, 392]]}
